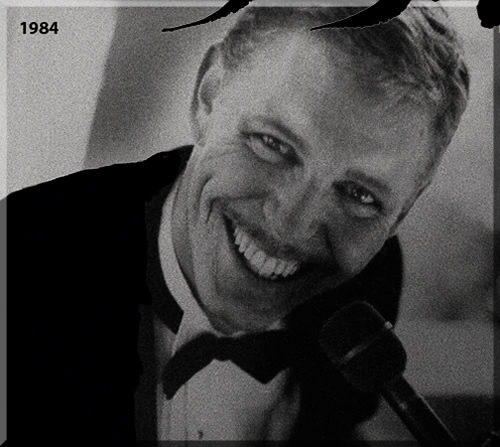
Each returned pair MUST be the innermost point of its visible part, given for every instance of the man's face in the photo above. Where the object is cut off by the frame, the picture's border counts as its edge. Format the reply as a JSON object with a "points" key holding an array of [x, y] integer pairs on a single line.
{"points": [[295, 184]]}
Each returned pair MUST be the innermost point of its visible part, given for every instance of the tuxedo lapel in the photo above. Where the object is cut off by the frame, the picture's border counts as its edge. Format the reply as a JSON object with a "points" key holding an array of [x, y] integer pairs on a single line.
{"points": [[160, 172]]}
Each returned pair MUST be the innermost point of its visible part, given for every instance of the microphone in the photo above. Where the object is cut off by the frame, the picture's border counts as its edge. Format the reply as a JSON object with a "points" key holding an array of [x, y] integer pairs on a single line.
{"points": [[363, 346]]}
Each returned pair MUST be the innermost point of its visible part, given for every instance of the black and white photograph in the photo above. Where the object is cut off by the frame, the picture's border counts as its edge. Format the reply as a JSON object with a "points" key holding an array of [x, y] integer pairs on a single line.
{"points": [[259, 228]]}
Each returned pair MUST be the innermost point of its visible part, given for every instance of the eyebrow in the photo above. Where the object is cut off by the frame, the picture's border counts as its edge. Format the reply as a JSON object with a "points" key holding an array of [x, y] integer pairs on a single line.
{"points": [[370, 181]]}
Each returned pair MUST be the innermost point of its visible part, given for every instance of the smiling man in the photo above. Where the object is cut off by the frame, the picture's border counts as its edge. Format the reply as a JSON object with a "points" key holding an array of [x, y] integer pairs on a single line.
{"points": [[299, 176], [309, 149]]}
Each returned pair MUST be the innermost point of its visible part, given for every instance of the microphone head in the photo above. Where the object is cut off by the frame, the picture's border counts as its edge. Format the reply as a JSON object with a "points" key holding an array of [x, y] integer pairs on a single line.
{"points": [[363, 346]]}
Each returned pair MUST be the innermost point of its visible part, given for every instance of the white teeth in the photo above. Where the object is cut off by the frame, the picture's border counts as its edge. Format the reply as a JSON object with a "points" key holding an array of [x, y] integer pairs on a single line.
{"points": [[258, 259], [243, 244], [238, 237], [250, 251], [280, 268], [260, 262], [268, 268], [290, 269]]}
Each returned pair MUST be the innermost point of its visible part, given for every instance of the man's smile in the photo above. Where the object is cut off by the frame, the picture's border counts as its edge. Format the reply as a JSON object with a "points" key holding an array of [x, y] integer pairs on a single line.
{"points": [[261, 262], [263, 257]]}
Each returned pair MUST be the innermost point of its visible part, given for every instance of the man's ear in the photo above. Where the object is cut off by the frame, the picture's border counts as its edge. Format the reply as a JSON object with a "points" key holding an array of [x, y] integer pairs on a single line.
{"points": [[208, 84]]}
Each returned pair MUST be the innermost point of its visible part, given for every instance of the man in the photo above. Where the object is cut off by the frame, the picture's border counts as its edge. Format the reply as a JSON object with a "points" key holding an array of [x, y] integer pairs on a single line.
{"points": [[310, 148]]}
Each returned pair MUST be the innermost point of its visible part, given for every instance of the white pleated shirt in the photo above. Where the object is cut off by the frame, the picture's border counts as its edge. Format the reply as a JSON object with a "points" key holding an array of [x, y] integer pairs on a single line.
{"points": [[220, 402]]}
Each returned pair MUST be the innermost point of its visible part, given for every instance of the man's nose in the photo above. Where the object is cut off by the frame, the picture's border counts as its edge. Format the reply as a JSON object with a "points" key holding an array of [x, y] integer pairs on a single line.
{"points": [[296, 212]]}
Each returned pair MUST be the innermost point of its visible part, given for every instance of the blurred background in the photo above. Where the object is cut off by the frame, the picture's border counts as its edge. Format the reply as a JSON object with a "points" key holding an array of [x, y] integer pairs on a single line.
{"points": [[110, 87]]}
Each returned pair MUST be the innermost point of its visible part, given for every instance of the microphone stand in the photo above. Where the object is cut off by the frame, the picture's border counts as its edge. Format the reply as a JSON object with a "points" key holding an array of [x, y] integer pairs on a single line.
{"points": [[417, 415]]}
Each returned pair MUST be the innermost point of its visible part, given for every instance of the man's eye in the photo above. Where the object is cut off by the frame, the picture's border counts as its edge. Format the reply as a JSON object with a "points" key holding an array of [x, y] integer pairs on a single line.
{"points": [[271, 149], [360, 201], [361, 195]]}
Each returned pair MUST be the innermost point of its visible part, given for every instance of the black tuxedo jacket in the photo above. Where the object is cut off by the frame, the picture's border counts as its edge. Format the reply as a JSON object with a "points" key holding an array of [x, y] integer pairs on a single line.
{"points": [[82, 268]]}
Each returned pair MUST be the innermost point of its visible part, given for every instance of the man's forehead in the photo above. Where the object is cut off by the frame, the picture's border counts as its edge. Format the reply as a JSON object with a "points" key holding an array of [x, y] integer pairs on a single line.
{"points": [[301, 86]]}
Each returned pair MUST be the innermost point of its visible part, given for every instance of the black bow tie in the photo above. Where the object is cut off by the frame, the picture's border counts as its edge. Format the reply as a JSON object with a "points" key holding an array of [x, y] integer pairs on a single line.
{"points": [[261, 355]]}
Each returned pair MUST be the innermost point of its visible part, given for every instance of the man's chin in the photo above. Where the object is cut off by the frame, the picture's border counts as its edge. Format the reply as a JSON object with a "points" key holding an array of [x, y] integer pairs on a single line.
{"points": [[236, 319], [255, 310]]}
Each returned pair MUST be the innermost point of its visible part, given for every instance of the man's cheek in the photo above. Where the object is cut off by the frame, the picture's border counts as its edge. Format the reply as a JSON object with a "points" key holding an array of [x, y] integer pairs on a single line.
{"points": [[240, 180], [355, 247], [357, 256]]}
